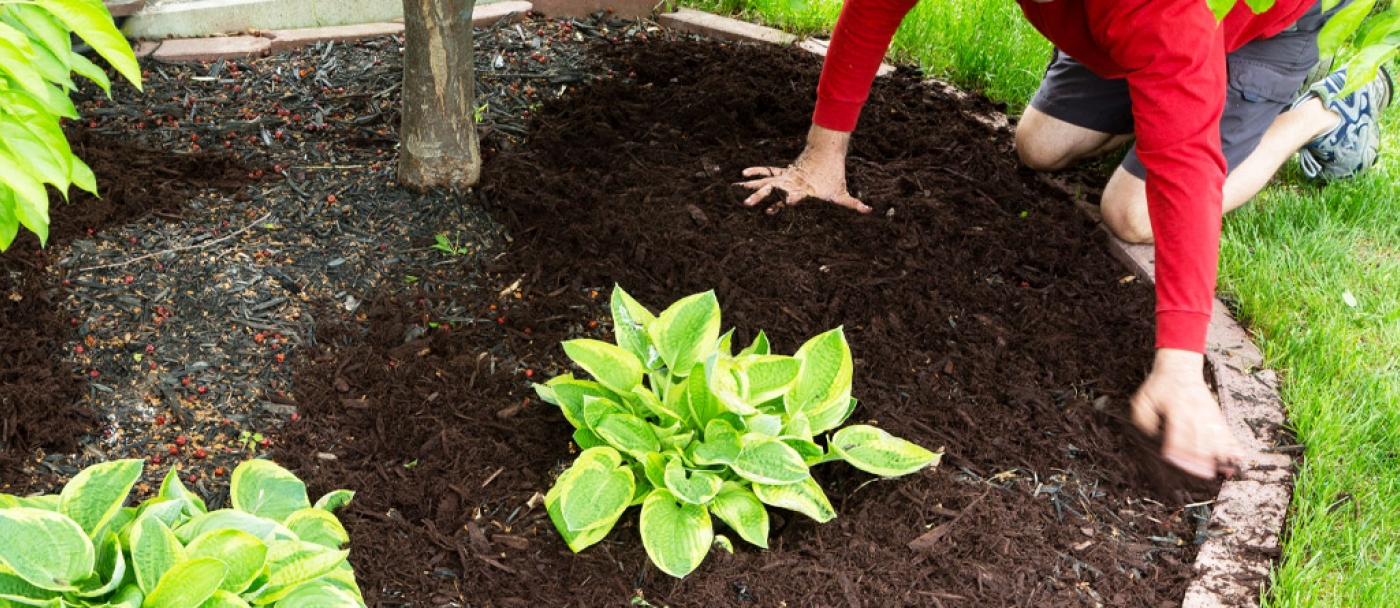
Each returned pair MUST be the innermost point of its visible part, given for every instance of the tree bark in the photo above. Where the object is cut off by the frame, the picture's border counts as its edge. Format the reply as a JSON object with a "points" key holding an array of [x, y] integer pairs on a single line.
{"points": [[438, 144]]}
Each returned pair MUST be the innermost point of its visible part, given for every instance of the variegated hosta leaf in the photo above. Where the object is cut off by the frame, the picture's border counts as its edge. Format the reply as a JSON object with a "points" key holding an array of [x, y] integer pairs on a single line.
{"points": [[875, 451], [824, 381], [96, 493], [293, 562], [737, 507], [154, 551], [676, 534], [687, 332], [614, 367], [769, 461], [805, 497], [45, 548], [692, 486], [188, 583], [630, 322], [262, 488], [244, 554]]}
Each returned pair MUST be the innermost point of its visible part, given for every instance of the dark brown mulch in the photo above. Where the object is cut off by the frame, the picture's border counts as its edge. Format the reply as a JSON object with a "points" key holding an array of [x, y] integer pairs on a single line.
{"points": [[983, 312], [38, 393]]}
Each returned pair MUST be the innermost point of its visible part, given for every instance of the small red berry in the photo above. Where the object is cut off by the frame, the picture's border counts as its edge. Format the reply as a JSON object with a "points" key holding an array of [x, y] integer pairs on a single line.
{"points": [[155, 459], [94, 373], [330, 199], [265, 442], [181, 440], [203, 390], [281, 357], [174, 451], [150, 348], [160, 419], [295, 416], [193, 478], [529, 373], [501, 320], [78, 349], [200, 453], [184, 382]]}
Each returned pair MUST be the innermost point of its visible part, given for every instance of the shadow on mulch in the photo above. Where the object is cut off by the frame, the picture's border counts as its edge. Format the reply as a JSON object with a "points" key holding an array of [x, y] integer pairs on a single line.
{"points": [[37, 390], [983, 312]]}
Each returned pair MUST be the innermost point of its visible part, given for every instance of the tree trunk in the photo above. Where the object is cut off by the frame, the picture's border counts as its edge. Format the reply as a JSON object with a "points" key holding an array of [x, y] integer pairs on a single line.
{"points": [[438, 135]]}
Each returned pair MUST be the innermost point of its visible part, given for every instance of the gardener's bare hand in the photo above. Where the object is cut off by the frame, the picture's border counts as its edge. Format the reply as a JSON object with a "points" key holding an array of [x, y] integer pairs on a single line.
{"points": [[1175, 401], [819, 172]]}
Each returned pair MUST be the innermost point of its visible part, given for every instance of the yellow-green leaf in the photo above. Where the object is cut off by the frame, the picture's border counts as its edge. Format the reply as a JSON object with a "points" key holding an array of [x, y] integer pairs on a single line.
{"points": [[805, 497], [677, 535], [189, 583], [244, 554], [96, 493], [45, 548]]}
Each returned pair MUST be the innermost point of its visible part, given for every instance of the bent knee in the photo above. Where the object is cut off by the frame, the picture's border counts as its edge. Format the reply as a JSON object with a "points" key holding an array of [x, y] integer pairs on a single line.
{"points": [[1040, 153], [1125, 215]]}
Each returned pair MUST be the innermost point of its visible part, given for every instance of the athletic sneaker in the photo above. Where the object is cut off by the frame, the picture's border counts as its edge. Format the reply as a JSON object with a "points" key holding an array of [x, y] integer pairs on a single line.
{"points": [[1353, 145]]}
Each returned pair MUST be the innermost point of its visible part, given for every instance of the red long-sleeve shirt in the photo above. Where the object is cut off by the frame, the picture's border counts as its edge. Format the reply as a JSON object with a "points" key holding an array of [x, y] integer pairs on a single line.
{"points": [[1172, 53]]}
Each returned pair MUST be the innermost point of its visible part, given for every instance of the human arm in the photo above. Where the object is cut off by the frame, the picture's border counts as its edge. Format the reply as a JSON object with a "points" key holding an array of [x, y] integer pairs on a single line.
{"points": [[1174, 56], [862, 35]]}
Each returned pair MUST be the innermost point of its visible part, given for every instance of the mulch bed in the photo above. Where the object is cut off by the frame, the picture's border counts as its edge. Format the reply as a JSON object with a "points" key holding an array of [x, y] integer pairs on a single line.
{"points": [[157, 323], [288, 287], [983, 311]]}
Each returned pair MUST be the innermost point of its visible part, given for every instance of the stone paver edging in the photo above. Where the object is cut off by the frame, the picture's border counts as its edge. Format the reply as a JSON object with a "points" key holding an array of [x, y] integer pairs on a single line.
{"points": [[1250, 509]]}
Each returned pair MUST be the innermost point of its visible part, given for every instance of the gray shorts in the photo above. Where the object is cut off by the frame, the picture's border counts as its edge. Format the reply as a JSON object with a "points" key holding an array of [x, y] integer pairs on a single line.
{"points": [[1264, 77]]}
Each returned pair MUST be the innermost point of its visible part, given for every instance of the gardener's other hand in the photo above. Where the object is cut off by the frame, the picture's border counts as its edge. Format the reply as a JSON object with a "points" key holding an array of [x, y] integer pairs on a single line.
{"points": [[819, 172], [1176, 402]]}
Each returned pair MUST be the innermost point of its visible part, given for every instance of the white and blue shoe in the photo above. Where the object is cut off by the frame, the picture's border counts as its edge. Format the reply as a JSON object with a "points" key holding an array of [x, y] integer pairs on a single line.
{"points": [[1354, 144]]}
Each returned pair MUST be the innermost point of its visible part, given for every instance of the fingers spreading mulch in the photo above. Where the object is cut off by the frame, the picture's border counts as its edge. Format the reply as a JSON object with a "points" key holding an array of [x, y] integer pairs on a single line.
{"points": [[983, 311]]}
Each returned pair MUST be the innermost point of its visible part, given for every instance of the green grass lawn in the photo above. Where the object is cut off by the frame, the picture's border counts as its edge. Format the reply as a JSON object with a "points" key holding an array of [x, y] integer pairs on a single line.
{"points": [[1316, 273]]}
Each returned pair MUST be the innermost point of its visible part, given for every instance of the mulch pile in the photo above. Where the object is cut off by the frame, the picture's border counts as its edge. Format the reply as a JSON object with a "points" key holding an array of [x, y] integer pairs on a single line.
{"points": [[983, 312]]}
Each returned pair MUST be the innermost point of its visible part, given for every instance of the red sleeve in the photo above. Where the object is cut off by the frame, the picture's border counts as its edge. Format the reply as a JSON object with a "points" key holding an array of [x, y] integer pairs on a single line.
{"points": [[1174, 54], [858, 44]]}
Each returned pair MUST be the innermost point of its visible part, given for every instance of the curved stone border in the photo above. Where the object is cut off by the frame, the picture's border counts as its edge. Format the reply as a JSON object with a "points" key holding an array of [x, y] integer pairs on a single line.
{"points": [[1248, 514]]}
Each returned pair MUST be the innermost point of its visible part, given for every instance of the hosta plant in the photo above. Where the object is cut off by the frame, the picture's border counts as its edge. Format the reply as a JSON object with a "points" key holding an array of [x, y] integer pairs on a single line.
{"points": [[37, 64], [676, 422], [82, 547]]}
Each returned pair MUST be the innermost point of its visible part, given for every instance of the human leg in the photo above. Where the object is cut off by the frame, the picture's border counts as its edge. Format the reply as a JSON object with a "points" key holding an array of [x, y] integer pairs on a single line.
{"points": [[1124, 204], [1074, 115], [1260, 129]]}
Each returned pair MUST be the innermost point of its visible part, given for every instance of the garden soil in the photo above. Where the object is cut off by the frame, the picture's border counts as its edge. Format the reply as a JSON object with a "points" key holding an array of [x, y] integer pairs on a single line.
{"points": [[38, 396], [985, 317]]}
